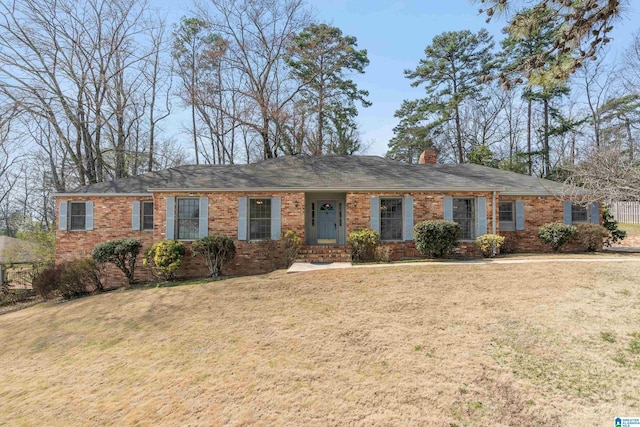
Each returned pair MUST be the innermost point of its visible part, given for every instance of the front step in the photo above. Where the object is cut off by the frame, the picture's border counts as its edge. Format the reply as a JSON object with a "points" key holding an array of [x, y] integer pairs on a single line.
{"points": [[324, 254]]}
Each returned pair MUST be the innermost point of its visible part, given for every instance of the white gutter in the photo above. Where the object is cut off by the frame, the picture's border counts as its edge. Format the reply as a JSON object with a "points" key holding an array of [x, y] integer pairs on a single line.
{"points": [[493, 214], [322, 190]]}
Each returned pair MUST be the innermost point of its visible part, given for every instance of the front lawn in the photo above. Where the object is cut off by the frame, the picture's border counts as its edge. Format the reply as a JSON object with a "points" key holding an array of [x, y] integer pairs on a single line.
{"points": [[521, 344]]}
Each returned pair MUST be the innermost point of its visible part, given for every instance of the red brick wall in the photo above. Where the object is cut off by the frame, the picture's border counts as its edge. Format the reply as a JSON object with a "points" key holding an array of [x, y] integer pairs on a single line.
{"points": [[537, 212], [426, 207], [112, 220]]}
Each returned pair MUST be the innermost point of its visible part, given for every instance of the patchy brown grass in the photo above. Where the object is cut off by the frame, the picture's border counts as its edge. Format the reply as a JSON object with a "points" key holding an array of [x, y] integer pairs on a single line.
{"points": [[522, 345]]}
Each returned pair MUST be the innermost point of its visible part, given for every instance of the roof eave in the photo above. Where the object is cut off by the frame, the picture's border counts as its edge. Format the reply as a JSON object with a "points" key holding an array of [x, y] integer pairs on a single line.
{"points": [[96, 194]]}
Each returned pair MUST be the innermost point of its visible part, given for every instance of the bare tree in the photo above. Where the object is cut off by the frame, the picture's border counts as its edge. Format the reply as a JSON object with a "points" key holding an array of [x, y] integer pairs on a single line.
{"points": [[72, 67], [257, 34]]}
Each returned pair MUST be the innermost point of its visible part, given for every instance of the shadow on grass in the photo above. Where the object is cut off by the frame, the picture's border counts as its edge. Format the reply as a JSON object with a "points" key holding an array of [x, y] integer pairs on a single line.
{"points": [[175, 283]]}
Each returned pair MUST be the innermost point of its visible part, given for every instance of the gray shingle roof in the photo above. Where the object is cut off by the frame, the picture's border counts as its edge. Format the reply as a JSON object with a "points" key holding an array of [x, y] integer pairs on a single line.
{"points": [[15, 251], [341, 173]]}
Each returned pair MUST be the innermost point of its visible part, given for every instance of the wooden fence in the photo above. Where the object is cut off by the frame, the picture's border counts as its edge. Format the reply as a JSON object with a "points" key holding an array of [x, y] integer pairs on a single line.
{"points": [[626, 212]]}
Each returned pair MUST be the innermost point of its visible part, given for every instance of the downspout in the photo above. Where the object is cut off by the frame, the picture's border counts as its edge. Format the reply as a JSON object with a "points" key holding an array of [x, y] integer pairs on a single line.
{"points": [[493, 220]]}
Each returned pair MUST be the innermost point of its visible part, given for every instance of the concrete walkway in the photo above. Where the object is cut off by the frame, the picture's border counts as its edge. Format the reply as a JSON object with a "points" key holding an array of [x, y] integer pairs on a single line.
{"points": [[299, 267]]}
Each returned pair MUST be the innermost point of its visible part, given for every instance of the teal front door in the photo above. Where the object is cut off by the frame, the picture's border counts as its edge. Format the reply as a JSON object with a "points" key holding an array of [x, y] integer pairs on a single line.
{"points": [[327, 226]]}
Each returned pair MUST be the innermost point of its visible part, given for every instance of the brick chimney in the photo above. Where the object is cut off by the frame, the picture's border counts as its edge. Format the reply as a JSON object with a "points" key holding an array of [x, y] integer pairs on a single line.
{"points": [[428, 157]]}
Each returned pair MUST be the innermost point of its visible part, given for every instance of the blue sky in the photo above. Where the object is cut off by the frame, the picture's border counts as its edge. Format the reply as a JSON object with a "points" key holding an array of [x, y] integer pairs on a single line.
{"points": [[395, 34]]}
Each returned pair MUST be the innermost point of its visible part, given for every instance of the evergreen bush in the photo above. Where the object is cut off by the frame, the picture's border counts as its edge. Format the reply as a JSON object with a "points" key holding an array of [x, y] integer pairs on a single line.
{"points": [[164, 258], [437, 239], [362, 243], [556, 234], [123, 253]]}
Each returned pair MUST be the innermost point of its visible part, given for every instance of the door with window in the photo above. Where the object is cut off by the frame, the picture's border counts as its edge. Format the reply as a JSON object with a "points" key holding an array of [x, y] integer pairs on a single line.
{"points": [[327, 222]]}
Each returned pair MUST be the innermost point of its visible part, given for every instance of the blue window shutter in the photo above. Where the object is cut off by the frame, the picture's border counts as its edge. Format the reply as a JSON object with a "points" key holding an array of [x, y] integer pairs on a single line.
{"points": [[481, 204], [135, 215], [407, 210], [567, 213], [62, 217], [242, 218], [170, 218], [519, 215], [595, 212], [375, 213], [203, 217], [88, 225], [448, 209], [276, 218]]}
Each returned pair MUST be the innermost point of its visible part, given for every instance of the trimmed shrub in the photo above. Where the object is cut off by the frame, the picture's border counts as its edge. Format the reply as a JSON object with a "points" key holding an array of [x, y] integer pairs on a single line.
{"points": [[362, 243], [164, 258], [384, 253], [615, 235], [79, 278], [215, 250], [47, 283], [556, 234], [489, 244], [292, 244], [123, 253], [436, 239], [509, 246], [590, 237]]}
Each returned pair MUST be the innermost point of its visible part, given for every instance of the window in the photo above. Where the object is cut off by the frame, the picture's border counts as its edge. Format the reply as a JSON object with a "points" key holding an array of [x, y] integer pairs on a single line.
{"points": [[147, 215], [579, 213], [391, 219], [464, 214], [507, 216], [187, 220], [259, 219], [77, 216]]}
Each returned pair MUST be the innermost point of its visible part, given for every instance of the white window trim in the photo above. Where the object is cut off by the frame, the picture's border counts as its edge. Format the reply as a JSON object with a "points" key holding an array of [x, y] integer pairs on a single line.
{"points": [[153, 215], [69, 216], [401, 239], [176, 230], [474, 224], [507, 225], [249, 199]]}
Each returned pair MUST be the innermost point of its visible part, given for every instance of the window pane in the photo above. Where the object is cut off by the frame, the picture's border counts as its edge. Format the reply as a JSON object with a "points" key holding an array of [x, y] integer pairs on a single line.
{"points": [[259, 219], [579, 213], [506, 212], [78, 216], [463, 214], [147, 215], [391, 219], [188, 219]]}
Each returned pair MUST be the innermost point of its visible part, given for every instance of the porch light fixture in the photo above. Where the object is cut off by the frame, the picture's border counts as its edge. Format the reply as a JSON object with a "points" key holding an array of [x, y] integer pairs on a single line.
{"points": [[259, 202], [296, 203]]}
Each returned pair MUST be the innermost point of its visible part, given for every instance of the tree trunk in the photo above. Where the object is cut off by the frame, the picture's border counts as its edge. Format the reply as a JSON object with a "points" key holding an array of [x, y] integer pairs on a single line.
{"points": [[545, 148], [529, 164]]}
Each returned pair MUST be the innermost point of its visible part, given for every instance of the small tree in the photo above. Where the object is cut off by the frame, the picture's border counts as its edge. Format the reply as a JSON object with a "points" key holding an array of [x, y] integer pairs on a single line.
{"points": [[215, 250], [165, 258], [292, 244], [608, 221], [556, 234], [437, 238], [123, 253]]}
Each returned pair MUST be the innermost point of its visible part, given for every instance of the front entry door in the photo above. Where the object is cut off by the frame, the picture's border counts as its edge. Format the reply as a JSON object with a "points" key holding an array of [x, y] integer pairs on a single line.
{"points": [[327, 225]]}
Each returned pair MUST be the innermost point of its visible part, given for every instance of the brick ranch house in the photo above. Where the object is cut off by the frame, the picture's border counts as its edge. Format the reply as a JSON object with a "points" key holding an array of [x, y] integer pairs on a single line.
{"points": [[320, 198]]}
